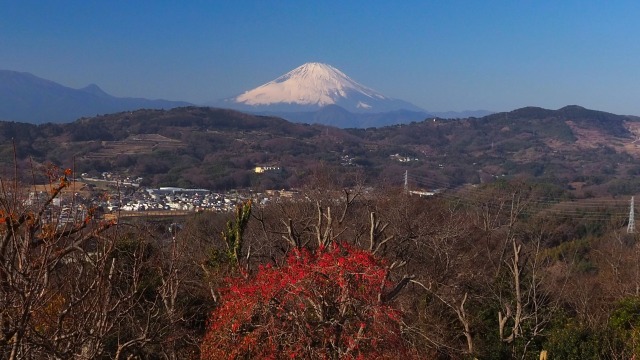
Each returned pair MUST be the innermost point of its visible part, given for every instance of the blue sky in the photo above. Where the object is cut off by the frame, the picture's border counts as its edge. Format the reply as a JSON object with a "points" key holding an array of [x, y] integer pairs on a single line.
{"points": [[440, 55]]}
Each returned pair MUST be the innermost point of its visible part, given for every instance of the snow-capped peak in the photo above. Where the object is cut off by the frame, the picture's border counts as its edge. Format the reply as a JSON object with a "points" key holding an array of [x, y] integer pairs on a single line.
{"points": [[310, 84]]}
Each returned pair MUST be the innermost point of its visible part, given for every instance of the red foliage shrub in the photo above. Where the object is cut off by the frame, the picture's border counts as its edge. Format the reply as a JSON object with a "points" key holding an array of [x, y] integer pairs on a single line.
{"points": [[322, 305]]}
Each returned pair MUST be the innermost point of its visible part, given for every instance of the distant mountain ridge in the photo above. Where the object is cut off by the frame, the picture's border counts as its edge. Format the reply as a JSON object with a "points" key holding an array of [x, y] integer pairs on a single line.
{"points": [[460, 114], [320, 93], [25, 97], [312, 93], [334, 115], [337, 116]]}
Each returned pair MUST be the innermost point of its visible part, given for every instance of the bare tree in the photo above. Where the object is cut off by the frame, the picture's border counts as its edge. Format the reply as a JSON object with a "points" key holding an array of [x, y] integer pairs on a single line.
{"points": [[69, 282], [522, 313]]}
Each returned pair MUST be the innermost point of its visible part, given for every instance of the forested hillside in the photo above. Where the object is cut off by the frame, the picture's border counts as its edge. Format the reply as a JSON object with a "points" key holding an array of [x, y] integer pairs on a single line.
{"points": [[496, 272], [594, 153]]}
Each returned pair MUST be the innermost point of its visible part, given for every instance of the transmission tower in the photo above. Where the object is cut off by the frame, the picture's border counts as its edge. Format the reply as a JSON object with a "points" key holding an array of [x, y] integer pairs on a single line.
{"points": [[631, 228], [406, 181]]}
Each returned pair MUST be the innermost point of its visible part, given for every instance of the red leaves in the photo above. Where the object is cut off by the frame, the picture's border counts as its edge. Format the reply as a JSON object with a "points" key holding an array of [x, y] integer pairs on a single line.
{"points": [[317, 305]]}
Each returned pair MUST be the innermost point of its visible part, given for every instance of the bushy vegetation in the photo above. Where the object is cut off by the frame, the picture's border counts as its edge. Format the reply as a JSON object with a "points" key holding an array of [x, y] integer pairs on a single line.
{"points": [[340, 272], [329, 303], [502, 269]]}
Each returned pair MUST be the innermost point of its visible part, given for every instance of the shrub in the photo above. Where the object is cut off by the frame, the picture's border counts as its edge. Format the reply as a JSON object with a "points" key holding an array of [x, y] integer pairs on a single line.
{"points": [[322, 305]]}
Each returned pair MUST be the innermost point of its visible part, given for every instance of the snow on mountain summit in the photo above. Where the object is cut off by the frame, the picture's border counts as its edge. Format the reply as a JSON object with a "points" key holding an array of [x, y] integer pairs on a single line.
{"points": [[314, 85], [310, 84]]}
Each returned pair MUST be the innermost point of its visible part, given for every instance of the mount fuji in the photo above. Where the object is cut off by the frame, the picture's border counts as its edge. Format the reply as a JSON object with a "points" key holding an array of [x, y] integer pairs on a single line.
{"points": [[312, 86]]}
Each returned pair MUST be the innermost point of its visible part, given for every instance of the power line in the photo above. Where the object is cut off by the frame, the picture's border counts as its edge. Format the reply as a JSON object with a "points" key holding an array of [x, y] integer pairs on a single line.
{"points": [[591, 209]]}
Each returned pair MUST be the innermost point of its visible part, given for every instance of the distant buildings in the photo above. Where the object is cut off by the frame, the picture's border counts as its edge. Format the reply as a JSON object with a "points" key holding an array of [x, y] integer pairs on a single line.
{"points": [[403, 159], [263, 169]]}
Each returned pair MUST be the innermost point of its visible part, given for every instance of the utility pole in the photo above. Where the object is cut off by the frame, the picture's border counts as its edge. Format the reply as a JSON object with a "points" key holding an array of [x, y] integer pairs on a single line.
{"points": [[631, 228]]}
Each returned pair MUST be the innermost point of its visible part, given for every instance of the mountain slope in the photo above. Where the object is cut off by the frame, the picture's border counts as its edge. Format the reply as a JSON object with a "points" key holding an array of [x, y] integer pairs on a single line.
{"points": [[219, 149], [28, 98], [312, 86], [601, 121], [334, 115]]}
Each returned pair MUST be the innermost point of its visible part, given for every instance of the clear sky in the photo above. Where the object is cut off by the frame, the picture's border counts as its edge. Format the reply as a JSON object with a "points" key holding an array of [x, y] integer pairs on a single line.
{"points": [[440, 55]]}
